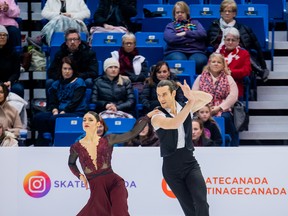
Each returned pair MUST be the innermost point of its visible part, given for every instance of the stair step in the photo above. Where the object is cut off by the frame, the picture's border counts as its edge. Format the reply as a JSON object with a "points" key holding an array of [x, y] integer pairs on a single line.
{"points": [[268, 105], [272, 93], [278, 75], [266, 128]]}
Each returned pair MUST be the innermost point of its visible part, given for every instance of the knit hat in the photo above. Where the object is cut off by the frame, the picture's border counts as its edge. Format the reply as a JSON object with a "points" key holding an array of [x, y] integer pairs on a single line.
{"points": [[110, 62], [3, 29]]}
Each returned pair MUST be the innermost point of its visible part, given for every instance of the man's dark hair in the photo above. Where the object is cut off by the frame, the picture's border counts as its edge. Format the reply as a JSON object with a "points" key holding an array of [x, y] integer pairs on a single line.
{"points": [[170, 83], [71, 31]]}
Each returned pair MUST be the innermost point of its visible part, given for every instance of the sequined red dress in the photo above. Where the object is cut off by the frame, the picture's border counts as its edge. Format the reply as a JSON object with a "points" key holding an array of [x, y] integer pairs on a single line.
{"points": [[108, 192]]}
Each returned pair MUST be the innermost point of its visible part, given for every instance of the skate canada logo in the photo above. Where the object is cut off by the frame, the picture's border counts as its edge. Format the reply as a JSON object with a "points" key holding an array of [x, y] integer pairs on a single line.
{"points": [[37, 184]]}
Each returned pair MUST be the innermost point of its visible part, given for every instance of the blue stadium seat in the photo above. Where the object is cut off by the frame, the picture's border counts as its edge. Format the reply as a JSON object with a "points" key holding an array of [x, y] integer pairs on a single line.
{"points": [[220, 1], [151, 46], [205, 14], [184, 69], [100, 68], [104, 43], [119, 125], [138, 105], [187, 1], [157, 24], [225, 137], [140, 5], [255, 16], [67, 130], [92, 5]]}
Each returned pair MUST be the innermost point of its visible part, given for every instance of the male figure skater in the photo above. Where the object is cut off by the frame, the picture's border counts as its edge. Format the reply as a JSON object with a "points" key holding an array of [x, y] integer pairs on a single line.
{"points": [[174, 129]]}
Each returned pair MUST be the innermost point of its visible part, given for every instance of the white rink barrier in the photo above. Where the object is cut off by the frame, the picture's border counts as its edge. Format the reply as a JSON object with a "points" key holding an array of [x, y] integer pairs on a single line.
{"points": [[244, 181]]}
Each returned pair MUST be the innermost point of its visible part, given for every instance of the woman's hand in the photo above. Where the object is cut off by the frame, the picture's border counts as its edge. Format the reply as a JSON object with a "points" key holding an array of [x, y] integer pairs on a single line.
{"points": [[153, 112], [84, 180], [181, 34], [215, 110]]}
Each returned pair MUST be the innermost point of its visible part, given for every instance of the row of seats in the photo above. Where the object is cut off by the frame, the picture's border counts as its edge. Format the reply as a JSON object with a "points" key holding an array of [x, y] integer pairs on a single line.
{"points": [[252, 15], [68, 129]]}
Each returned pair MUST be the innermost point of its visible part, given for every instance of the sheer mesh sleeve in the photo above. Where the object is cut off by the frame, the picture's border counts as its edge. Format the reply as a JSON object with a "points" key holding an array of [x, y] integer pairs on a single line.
{"points": [[120, 138], [72, 162]]}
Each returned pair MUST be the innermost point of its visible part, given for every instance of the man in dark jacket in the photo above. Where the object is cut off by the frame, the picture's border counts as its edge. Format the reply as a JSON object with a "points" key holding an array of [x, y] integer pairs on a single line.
{"points": [[83, 56]]}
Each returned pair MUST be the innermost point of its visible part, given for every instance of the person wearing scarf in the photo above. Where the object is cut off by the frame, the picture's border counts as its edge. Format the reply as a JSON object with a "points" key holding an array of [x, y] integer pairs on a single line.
{"points": [[67, 99], [185, 38], [237, 58], [131, 63], [217, 81], [247, 38]]}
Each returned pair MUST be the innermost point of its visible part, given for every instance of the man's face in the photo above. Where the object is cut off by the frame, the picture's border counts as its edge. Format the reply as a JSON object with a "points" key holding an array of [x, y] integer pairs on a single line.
{"points": [[73, 41], [165, 97]]}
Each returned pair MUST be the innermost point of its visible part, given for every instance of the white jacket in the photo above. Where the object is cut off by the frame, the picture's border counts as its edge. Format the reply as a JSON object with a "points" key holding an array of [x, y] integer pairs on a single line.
{"points": [[77, 8], [137, 61]]}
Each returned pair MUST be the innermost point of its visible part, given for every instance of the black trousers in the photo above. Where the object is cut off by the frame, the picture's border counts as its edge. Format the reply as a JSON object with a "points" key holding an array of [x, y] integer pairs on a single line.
{"points": [[183, 175]]}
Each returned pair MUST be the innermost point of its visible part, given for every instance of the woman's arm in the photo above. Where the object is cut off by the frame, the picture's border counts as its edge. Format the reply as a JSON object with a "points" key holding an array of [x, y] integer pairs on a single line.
{"points": [[78, 11], [72, 162], [233, 95]]}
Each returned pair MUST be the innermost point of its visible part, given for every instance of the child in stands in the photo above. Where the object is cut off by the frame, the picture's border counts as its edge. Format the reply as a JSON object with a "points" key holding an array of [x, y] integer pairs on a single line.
{"points": [[211, 129]]}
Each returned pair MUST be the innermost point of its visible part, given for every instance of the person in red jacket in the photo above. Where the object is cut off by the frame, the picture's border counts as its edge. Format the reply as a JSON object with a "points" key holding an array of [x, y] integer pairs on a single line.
{"points": [[237, 58]]}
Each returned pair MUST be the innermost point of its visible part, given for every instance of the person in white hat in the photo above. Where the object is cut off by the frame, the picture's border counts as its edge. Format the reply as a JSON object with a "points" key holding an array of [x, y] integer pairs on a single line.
{"points": [[9, 10], [9, 64], [113, 91], [173, 126]]}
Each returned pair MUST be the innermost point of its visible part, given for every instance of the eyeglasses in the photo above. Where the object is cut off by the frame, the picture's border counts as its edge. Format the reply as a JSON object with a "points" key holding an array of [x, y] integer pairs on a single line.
{"points": [[129, 43], [231, 40], [227, 11], [73, 39], [3, 35]]}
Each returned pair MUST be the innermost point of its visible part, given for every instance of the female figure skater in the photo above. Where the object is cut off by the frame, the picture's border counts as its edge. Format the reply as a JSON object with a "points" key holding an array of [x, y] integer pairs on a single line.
{"points": [[108, 191]]}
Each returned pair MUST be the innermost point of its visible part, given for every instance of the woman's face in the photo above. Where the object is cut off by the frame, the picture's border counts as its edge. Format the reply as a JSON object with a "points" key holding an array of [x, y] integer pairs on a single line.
{"points": [[231, 42], [100, 129], [89, 123], [228, 14], [112, 72], [216, 65], [204, 114], [67, 71], [163, 73], [145, 131], [3, 39], [129, 45], [1, 95], [180, 14], [196, 131]]}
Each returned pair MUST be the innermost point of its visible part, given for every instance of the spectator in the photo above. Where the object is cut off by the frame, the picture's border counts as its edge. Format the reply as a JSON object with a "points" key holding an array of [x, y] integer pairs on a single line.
{"points": [[217, 81], [211, 129], [9, 64], [149, 96], [83, 56], [198, 134], [9, 116], [237, 59], [185, 38], [112, 14], [62, 15], [67, 99], [132, 64], [9, 10], [248, 40], [147, 137], [112, 91], [7, 139]]}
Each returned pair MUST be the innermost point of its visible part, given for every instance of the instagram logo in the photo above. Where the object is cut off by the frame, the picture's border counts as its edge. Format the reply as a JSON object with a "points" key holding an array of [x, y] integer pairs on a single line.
{"points": [[37, 184], [166, 189]]}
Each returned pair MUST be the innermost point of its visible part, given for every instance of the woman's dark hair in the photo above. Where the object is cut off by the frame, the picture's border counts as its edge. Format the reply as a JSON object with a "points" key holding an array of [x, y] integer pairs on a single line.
{"points": [[154, 69], [201, 125], [97, 117], [5, 90], [102, 121], [69, 60]]}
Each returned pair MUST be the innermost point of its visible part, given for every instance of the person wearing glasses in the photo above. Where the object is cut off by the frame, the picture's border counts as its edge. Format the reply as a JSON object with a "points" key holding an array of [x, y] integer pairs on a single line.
{"points": [[247, 39], [131, 63], [83, 56], [9, 64], [62, 15], [9, 10], [237, 58]]}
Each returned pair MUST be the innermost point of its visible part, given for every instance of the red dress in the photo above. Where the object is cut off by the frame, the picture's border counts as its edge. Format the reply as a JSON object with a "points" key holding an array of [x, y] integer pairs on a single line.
{"points": [[108, 192]]}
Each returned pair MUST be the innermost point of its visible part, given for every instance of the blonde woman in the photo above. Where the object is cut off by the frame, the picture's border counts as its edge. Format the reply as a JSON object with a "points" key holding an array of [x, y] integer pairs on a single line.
{"points": [[217, 81]]}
